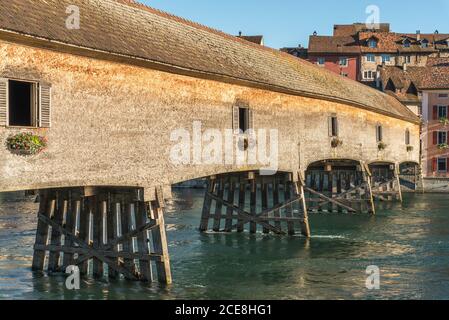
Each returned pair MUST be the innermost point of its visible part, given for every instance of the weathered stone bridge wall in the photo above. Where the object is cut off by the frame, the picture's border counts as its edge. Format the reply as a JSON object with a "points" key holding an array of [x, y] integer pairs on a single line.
{"points": [[111, 124]]}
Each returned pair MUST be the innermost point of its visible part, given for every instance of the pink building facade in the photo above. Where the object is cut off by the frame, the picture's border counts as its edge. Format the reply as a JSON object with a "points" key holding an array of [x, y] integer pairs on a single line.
{"points": [[435, 133]]}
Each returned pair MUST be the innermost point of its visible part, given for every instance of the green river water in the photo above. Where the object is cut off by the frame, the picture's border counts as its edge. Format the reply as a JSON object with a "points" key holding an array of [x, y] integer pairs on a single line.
{"points": [[409, 243]]}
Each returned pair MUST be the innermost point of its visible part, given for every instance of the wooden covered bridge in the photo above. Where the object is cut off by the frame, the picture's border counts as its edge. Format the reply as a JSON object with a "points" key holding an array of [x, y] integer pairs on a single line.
{"points": [[100, 89]]}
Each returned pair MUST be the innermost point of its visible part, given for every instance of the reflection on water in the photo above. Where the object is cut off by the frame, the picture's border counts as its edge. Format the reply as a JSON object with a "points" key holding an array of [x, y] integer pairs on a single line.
{"points": [[410, 244]]}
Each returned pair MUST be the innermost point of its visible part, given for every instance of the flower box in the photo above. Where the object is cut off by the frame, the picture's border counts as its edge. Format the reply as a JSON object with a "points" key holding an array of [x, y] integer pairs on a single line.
{"points": [[26, 144], [381, 146]]}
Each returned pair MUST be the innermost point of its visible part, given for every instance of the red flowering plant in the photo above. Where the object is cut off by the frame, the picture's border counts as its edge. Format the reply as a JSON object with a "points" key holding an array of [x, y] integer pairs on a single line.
{"points": [[26, 143]]}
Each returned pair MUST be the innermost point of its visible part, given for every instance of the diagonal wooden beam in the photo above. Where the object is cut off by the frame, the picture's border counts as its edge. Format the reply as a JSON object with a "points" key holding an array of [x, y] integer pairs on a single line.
{"points": [[66, 233], [134, 233], [338, 197], [338, 203], [245, 215], [83, 245], [268, 211]]}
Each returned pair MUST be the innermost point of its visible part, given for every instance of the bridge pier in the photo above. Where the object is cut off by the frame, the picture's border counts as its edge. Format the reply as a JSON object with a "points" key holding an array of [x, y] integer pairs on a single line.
{"points": [[339, 186], [275, 203], [110, 232]]}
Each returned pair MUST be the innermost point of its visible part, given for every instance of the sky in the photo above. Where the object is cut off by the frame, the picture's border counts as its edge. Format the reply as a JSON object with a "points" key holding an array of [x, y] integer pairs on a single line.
{"points": [[288, 23]]}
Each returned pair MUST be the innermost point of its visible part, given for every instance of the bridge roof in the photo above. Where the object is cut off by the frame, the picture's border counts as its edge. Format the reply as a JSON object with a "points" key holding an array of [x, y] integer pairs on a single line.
{"points": [[133, 32]]}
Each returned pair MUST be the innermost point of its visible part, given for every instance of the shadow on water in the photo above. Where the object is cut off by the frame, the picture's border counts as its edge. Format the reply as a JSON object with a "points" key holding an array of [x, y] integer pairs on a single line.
{"points": [[409, 243]]}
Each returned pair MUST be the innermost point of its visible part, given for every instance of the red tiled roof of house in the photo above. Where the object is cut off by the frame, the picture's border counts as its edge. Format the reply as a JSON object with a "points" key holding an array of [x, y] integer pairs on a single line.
{"points": [[433, 76], [341, 30], [437, 74], [331, 44], [387, 42], [134, 33]]}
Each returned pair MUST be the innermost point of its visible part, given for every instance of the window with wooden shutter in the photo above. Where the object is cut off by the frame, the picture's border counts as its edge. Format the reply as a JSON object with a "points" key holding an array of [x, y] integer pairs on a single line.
{"points": [[4, 102], [333, 126], [44, 106], [442, 165], [407, 137], [251, 119], [379, 133], [435, 113], [435, 138], [236, 119]]}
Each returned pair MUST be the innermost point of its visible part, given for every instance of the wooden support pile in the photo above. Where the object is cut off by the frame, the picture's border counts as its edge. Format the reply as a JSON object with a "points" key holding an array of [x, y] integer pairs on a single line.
{"points": [[109, 232], [339, 190], [275, 204], [386, 183]]}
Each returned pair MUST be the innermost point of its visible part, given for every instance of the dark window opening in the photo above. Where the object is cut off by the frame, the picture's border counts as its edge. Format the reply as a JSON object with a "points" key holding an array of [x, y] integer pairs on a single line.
{"points": [[379, 133], [21, 104], [442, 137], [442, 165], [412, 89], [442, 112], [407, 137], [244, 119], [390, 86], [334, 126]]}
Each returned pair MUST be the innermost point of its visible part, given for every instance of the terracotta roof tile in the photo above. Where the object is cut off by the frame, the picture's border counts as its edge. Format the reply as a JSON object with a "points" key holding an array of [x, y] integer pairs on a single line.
{"points": [[332, 44], [433, 76], [121, 27]]}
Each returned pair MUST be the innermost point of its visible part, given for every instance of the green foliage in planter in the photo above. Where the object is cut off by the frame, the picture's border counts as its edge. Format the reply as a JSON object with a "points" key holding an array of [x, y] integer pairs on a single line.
{"points": [[443, 146], [381, 146], [444, 121], [26, 143], [336, 143], [409, 148]]}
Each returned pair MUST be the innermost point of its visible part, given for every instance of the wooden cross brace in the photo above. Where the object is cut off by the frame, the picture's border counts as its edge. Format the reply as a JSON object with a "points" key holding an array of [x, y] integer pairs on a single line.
{"points": [[246, 217], [332, 200], [102, 252]]}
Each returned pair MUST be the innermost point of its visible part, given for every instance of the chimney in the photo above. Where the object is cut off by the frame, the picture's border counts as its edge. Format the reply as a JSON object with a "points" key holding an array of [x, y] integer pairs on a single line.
{"points": [[418, 35], [240, 33], [315, 33]]}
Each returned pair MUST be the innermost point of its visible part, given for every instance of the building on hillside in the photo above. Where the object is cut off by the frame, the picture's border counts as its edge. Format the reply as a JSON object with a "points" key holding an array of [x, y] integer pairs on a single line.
{"points": [[425, 89], [338, 54], [402, 83], [356, 51]]}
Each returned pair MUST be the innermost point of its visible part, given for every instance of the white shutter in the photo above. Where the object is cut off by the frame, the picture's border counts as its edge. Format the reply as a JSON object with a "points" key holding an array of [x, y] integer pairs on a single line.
{"points": [[251, 119], [4, 105], [44, 106], [235, 119], [252, 136], [337, 127]]}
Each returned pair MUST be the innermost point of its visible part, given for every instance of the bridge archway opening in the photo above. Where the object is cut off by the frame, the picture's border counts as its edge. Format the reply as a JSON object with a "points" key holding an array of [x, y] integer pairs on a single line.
{"points": [[338, 185], [382, 171], [249, 201], [410, 176], [385, 181]]}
